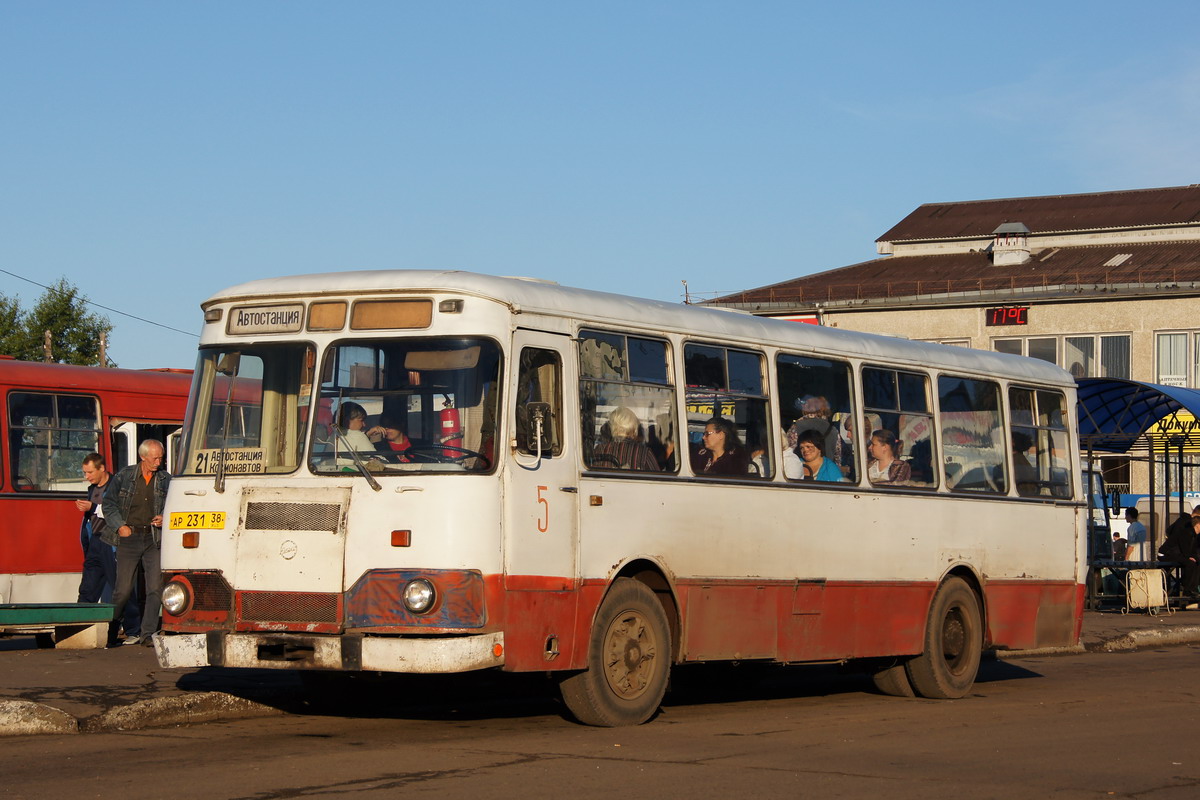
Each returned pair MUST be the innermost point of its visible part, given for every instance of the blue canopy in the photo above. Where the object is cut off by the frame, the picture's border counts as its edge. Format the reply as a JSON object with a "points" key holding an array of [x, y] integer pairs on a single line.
{"points": [[1115, 414]]}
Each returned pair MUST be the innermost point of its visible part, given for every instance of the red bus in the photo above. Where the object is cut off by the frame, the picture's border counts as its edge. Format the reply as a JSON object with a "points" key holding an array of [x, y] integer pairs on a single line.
{"points": [[52, 415]]}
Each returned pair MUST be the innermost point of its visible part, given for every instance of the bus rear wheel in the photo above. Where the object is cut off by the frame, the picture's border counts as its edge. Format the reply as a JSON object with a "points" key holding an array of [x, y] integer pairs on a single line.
{"points": [[947, 667], [893, 680], [629, 660]]}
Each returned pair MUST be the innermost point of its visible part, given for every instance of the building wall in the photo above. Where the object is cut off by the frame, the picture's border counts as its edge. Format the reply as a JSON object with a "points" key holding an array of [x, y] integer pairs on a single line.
{"points": [[1140, 319]]}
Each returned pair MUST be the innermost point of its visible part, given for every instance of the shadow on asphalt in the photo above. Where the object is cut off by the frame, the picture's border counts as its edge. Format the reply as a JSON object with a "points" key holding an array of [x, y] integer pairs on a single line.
{"points": [[499, 695]]}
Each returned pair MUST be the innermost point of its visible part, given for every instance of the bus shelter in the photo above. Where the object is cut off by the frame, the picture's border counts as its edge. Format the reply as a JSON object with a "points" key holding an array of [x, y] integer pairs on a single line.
{"points": [[1146, 422]]}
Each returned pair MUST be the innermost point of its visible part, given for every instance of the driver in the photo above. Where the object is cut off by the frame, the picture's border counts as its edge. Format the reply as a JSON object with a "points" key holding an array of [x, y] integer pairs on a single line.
{"points": [[393, 438]]}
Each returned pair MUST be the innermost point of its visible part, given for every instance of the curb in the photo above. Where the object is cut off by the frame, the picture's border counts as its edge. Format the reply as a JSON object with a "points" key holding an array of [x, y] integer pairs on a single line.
{"points": [[1071, 650], [1149, 637], [160, 712], [22, 718]]}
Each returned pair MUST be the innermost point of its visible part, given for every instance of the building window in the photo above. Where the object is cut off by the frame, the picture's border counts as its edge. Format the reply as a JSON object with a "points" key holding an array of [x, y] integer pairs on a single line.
{"points": [[1045, 349], [1013, 347], [1078, 353], [1171, 350], [1114, 357]]}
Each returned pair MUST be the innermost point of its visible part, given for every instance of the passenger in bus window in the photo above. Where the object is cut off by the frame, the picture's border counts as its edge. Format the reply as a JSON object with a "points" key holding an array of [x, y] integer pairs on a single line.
{"points": [[622, 450], [662, 442], [886, 466], [393, 438], [721, 451], [808, 462], [1025, 475], [815, 415], [352, 420]]}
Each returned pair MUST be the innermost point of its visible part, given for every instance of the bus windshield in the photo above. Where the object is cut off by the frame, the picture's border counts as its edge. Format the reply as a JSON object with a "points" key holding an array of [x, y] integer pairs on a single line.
{"points": [[248, 410], [407, 405]]}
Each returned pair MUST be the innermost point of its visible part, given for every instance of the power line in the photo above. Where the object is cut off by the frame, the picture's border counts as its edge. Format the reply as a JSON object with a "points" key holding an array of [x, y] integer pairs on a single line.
{"points": [[106, 308]]}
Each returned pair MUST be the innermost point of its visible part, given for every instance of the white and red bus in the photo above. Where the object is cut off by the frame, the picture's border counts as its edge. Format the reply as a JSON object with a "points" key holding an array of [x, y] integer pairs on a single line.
{"points": [[52, 415], [517, 531]]}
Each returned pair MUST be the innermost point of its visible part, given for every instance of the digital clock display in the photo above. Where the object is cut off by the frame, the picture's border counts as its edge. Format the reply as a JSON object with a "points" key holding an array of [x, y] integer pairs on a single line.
{"points": [[1008, 315]]}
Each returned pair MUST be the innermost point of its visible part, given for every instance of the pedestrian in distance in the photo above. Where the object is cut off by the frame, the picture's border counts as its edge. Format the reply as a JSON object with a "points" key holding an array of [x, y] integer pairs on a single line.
{"points": [[133, 507]]}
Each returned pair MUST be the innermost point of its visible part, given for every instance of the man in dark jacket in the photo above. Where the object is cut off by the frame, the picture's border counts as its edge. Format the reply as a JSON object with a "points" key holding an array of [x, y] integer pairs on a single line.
{"points": [[133, 507], [1180, 547], [100, 560]]}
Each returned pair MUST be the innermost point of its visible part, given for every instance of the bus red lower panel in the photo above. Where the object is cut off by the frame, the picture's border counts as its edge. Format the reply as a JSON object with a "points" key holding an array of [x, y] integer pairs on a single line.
{"points": [[1023, 615], [790, 621], [802, 621]]}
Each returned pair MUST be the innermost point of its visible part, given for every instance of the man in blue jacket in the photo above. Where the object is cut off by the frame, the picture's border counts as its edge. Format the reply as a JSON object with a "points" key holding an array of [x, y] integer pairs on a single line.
{"points": [[133, 507]]}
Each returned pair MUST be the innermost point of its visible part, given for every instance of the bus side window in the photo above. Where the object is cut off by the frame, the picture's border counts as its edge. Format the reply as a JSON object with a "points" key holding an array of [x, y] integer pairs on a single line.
{"points": [[814, 395], [626, 403], [973, 435], [49, 435], [539, 396], [1039, 443], [728, 386], [898, 404]]}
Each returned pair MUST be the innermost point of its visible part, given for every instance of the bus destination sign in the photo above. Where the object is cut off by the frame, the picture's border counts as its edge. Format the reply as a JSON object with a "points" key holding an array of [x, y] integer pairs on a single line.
{"points": [[266, 319]]}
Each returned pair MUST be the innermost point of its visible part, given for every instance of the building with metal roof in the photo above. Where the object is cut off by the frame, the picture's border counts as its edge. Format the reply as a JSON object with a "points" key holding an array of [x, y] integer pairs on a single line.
{"points": [[1106, 285]]}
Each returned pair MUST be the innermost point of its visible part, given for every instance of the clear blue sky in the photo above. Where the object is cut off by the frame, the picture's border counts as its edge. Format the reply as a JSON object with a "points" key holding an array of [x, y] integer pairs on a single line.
{"points": [[154, 153]]}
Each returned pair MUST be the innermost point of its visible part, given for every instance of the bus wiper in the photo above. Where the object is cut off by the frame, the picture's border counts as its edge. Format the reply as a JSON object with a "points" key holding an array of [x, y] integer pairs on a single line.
{"points": [[358, 462], [228, 366]]}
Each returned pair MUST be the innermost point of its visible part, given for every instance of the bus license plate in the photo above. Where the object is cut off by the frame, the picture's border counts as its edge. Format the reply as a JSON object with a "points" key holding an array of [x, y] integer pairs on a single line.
{"points": [[210, 520]]}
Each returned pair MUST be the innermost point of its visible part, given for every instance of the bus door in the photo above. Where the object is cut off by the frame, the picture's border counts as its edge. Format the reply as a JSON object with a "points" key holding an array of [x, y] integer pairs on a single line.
{"points": [[541, 502], [127, 435]]}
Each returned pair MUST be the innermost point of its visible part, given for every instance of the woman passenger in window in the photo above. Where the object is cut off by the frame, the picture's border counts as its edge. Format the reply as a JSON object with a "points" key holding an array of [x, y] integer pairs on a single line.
{"points": [[721, 451], [808, 462], [623, 450], [351, 420], [885, 465]]}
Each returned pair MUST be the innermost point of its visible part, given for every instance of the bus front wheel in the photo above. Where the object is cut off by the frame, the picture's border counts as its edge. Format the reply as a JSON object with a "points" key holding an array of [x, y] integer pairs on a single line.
{"points": [[947, 667], [629, 660]]}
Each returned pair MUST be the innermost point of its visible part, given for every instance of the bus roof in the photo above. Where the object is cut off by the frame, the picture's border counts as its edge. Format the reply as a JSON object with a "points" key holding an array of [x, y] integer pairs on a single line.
{"points": [[545, 297], [36, 374]]}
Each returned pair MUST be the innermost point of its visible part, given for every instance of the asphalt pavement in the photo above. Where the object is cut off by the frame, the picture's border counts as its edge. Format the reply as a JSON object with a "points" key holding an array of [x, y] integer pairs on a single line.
{"points": [[124, 688]]}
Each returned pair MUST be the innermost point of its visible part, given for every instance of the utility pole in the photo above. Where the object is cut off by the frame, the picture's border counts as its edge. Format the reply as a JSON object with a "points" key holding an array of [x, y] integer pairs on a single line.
{"points": [[47, 352], [103, 349]]}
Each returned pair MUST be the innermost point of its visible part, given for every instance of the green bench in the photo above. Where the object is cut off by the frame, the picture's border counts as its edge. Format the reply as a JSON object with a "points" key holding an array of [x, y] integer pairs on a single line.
{"points": [[77, 625]]}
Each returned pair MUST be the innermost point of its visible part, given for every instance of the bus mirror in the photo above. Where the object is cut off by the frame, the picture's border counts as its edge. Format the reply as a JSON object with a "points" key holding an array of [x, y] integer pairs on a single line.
{"points": [[228, 365], [537, 419], [1115, 503]]}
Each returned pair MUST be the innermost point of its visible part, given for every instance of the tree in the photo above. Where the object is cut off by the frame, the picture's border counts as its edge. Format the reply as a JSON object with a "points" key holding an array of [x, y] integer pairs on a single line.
{"points": [[75, 332], [12, 332]]}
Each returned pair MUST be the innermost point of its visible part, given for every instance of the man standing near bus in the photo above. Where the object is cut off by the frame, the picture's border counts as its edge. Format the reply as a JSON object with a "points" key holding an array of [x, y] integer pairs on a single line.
{"points": [[100, 558], [132, 507]]}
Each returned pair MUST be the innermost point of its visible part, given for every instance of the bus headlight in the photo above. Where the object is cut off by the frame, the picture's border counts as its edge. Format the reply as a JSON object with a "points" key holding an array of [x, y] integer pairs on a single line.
{"points": [[419, 596], [176, 598]]}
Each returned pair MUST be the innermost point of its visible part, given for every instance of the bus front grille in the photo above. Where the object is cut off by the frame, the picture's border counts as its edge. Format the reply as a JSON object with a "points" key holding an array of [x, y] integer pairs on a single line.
{"points": [[212, 592], [285, 607], [268, 516]]}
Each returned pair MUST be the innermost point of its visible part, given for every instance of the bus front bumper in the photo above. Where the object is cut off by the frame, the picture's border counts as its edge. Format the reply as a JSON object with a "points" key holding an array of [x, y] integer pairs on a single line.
{"points": [[352, 652]]}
